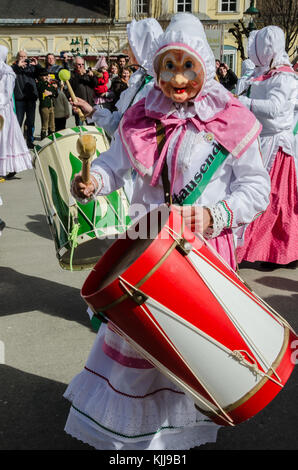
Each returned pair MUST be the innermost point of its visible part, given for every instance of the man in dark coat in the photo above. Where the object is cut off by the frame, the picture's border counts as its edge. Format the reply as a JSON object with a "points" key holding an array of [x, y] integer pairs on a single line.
{"points": [[83, 83], [25, 92]]}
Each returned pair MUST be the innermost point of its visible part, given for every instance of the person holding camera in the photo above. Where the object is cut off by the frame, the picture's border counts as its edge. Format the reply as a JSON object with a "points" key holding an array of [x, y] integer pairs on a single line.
{"points": [[227, 77], [25, 91]]}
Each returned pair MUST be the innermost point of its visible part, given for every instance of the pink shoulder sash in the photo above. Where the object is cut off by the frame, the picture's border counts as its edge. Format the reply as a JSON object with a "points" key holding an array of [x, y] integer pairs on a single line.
{"points": [[235, 128]]}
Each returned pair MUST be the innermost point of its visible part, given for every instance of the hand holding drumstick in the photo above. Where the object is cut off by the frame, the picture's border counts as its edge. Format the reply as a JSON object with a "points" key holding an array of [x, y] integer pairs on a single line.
{"points": [[84, 185]]}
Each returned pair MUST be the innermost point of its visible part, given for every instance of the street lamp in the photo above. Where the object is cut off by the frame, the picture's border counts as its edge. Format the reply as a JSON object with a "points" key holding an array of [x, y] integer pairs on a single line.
{"points": [[86, 44], [252, 11], [77, 43]]}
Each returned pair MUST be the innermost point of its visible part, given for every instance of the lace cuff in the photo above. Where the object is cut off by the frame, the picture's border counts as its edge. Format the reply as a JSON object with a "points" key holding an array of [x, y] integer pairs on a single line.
{"points": [[222, 218], [99, 180]]}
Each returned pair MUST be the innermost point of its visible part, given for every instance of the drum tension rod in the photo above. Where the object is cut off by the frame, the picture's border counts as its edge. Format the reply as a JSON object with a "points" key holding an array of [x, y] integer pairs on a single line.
{"points": [[183, 246], [137, 296]]}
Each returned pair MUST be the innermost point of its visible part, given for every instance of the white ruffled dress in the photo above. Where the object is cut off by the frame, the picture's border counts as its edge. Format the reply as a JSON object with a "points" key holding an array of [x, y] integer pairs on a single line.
{"points": [[14, 153], [126, 404]]}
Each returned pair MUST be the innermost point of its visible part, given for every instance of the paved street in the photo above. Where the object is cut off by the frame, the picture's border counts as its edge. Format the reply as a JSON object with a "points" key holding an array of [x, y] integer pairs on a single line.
{"points": [[45, 335]]}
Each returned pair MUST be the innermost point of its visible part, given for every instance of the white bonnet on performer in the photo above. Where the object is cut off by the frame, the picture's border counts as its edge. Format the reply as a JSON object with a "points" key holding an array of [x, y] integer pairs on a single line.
{"points": [[3, 53], [247, 67], [266, 47], [140, 36], [4, 68], [186, 31]]}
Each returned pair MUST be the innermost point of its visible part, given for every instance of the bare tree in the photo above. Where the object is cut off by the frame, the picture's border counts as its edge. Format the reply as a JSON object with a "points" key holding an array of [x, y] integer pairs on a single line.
{"points": [[239, 29], [282, 13]]}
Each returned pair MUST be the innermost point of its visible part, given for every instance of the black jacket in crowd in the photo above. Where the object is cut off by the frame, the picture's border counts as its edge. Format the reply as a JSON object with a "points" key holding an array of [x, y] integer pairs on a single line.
{"points": [[118, 86], [229, 81], [25, 84], [83, 86]]}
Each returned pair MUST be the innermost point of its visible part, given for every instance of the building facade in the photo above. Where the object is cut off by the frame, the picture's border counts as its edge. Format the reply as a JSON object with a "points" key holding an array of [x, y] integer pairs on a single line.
{"points": [[93, 31]]}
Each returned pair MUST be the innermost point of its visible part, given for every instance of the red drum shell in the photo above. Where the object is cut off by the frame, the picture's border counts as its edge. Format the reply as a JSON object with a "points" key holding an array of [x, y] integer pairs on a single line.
{"points": [[163, 273]]}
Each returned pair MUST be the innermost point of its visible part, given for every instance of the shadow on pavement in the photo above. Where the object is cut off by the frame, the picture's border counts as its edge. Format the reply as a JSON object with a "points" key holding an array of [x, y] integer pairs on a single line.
{"points": [[22, 293], [278, 283], [260, 266], [273, 428], [286, 306], [33, 413], [39, 226]]}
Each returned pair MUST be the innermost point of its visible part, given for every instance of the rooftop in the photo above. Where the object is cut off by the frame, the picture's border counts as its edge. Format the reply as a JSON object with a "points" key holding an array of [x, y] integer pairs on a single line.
{"points": [[39, 11]]}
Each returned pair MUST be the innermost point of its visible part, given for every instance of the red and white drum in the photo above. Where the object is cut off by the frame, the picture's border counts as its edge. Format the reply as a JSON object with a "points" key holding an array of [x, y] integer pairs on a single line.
{"points": [[180, 305]]}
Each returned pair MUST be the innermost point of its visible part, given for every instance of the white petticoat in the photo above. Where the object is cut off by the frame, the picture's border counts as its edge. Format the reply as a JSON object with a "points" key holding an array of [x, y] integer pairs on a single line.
{"points": [[14, 153], [115, 407]]}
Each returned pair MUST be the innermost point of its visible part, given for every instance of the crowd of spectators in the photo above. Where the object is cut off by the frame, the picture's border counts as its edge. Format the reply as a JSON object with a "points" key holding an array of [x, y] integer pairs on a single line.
{"points": [[40, 84]]}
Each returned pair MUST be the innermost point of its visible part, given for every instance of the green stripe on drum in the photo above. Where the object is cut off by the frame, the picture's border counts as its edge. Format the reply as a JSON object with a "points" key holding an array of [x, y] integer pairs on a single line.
{"points": [[101, 214], [79, 129], [56, 135], [61, 208]]}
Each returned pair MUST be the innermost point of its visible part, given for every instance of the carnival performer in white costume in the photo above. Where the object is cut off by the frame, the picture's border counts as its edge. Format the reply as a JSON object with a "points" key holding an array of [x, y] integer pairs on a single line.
{"points": [[271, 97], [140, 36], [2, 223], [119, 401], [247, 70], [14, 153]]}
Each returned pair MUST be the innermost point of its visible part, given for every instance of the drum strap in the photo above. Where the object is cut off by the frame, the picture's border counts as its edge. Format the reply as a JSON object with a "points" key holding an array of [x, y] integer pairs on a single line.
{"points": [[161, 139]]}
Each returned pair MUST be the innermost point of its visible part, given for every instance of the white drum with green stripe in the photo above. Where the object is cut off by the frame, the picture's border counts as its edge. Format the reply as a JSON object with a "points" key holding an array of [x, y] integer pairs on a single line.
{"points": [[82, 233]]}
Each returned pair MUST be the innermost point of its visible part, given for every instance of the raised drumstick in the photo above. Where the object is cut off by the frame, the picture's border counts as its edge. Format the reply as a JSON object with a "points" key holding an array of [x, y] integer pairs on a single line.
{"points": [[86, 147], [64, 76]]}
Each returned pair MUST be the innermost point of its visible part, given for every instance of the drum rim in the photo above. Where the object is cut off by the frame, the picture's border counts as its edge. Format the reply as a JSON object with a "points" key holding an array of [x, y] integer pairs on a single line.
{"points": [[144, 279], [69, 131]]}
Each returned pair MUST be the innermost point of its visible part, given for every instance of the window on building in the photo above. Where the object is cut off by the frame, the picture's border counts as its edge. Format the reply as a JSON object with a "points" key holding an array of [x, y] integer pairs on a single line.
{"points": [[230, 56], [183, 5], [228, 5], [142, 7]]}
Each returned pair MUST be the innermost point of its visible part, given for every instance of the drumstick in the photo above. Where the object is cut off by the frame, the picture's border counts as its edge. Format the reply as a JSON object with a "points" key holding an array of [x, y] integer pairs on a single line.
{"points": [[64, 76], [1, 122], [86, 147]]}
